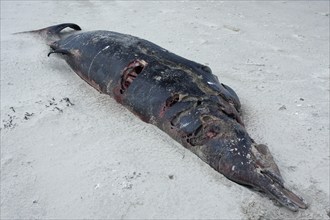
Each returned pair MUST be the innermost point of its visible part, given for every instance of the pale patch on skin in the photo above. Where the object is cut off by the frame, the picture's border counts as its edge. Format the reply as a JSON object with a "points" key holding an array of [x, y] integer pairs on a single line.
{"points": [[76, 53], [90, 66]]}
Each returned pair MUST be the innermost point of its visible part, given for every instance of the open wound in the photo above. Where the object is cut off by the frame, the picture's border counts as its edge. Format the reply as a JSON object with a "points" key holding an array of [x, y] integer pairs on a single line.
{"points": [[131, 72]]}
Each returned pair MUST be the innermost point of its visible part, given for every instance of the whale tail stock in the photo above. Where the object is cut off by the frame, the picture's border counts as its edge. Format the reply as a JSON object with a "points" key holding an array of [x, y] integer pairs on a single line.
{"points": [[52, 33]]}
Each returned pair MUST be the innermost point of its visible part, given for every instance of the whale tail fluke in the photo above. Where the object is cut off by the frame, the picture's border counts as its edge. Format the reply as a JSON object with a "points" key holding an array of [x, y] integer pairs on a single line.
{"points": [[52, 33]]}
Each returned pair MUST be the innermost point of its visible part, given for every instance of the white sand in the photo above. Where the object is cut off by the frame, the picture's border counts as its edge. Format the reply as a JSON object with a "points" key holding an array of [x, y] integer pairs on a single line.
{"points": [[95, 159]]}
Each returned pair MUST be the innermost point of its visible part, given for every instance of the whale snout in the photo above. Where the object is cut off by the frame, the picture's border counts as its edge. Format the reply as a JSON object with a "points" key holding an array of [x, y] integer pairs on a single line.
{"points": [[256, 168]]}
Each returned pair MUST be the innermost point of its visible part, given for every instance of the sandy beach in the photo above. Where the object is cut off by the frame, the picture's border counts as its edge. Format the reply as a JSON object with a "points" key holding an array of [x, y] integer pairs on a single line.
{"points": [[69, 152]]}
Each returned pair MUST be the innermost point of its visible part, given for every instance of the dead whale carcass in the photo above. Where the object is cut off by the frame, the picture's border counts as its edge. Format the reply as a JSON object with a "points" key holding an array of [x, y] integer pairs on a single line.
{"points": [[181, 97]]}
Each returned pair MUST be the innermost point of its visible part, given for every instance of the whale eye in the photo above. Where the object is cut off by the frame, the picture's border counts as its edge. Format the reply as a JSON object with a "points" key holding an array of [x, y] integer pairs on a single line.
{"points": [[130, 73]]}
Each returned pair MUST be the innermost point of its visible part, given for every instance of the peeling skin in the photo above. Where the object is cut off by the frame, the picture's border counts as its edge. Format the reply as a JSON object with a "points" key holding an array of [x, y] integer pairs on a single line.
{"points": [[181, 97]]}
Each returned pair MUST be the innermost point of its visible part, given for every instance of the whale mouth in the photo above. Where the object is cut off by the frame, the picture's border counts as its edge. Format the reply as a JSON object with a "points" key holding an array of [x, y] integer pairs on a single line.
{"points": [[131, 72]]}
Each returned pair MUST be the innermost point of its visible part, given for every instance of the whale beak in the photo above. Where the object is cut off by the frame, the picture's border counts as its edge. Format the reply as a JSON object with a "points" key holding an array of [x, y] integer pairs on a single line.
{"points": [[261, 173], [269, 180], [278, 191]]}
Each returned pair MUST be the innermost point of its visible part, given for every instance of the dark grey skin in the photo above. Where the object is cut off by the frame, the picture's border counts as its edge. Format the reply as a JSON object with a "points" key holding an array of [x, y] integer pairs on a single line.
{"points": [[179, 96]]}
